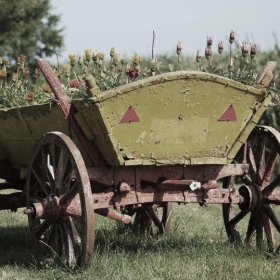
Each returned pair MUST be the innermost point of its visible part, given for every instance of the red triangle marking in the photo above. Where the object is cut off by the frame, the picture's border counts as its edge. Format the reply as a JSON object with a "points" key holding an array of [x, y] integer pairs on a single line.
{"points": [[229, 114], [130, 116]]}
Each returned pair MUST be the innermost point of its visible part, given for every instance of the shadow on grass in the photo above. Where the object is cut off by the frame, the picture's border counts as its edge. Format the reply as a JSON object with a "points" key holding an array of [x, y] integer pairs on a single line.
{"points": [[128, 240], [15, 245]]}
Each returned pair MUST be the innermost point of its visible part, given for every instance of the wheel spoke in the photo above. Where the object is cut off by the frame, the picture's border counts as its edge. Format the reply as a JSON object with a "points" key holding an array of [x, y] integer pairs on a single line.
{"points": [[246, 180], [231, 230], [260, 159], [51, 235], [139, 212], [229, 215], [49, 167], [68, 245], [273, 201], [58, 153], [253, 168], [48, 242], [40, 229], [228, 182], [269, 167], [61, 248], [42, 182], [234, 221], [270, 188], [52, 240], [272, 216], [60, 168], [35, 198], [74, 189], [259, 231], [75, 236], [271, 241], [66, 185], [151, 211], [146, 223], [166, 216], [251, 229]]}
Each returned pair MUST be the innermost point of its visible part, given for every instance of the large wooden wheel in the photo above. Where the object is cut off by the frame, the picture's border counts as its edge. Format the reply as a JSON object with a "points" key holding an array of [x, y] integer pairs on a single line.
{"points": [[59, 201], [152, 219], [259, 191]]}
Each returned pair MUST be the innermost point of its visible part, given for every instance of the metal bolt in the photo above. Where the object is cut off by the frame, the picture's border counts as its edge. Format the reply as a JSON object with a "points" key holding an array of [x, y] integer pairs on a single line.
{"points": [[28, 211]]}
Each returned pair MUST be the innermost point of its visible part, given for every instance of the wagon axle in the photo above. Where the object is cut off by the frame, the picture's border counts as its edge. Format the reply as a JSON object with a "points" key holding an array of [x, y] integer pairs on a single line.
{"points": [[52, 210], [248, 198]]}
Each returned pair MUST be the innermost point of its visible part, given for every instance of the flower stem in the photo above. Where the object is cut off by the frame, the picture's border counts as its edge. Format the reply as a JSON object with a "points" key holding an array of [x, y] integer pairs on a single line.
{"points": [[230, 52]]}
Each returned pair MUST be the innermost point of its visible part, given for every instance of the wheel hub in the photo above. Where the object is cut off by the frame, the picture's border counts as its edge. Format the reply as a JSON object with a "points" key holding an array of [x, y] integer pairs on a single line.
{"points": [[48, 209], [251, 198]]}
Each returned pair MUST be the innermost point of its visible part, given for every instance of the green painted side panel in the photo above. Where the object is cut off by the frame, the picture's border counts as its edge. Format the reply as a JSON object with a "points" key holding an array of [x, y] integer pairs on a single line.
{"points": [[22, 127], [179, 119], [102, 139]]}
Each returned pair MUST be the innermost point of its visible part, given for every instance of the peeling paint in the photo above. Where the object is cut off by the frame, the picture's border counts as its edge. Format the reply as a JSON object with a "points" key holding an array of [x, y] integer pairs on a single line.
{"points": [[179, 112]]}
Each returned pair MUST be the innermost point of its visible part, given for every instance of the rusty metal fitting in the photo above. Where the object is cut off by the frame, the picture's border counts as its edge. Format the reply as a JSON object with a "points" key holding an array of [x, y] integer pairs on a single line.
{"points": [[124, 187], [211, 184], [48, 209], [38, 210], [111, 214], [195, 185], [28, 211], [251, 198]]}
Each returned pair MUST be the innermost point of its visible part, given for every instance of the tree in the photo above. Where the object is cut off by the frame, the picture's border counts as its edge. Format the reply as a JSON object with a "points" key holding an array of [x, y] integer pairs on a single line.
{"points": [[29, 27]]}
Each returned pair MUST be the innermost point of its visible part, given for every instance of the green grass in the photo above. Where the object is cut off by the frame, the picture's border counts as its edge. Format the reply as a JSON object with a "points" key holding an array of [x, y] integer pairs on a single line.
{"points": [[196, 248]]}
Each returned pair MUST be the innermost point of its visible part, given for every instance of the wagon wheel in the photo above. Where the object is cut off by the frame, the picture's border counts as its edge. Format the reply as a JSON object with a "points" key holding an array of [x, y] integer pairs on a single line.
{"points": [[59, 201], [152, 218], [260, 191]]}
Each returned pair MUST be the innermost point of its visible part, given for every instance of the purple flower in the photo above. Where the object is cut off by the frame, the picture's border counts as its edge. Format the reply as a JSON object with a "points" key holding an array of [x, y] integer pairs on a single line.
{"points": [[254, 50], [220, 46], [231, 36], [208, 53], [209, 42], [179, 47], [245, 47], [198, 55]]}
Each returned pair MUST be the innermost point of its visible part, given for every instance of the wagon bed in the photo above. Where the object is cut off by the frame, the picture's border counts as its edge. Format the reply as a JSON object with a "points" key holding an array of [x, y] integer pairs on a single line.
{"points": [[184, 118]]}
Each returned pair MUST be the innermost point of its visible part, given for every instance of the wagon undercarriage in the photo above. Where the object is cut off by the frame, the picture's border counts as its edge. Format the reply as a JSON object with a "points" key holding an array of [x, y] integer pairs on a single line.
{"points": [[63, 194]]}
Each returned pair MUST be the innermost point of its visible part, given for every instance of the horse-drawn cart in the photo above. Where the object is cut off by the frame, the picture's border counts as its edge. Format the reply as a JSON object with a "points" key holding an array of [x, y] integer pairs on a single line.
{"points": [[129, 150]]}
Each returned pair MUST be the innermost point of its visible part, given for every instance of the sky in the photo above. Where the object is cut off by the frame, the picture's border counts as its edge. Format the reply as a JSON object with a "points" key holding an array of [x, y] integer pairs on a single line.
{"points": [[128, 25]]}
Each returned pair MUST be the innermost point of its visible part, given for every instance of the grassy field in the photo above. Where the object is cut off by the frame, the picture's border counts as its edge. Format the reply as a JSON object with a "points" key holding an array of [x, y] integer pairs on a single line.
{"points": [[196, 248]]}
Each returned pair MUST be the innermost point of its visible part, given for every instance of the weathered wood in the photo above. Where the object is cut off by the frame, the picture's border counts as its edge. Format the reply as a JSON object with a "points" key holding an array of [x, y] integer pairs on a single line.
{"points": [[176, 119], [265, 78], [69, 112]]}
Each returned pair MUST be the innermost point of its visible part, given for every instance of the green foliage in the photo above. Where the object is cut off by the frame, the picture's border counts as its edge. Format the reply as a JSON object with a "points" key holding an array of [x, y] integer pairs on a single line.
{"points": [[116, 71], [29, 27], [22, 88]]}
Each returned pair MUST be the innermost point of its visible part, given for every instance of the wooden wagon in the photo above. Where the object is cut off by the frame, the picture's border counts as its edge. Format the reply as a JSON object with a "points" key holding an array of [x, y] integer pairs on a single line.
{"points": [[138, 147]]}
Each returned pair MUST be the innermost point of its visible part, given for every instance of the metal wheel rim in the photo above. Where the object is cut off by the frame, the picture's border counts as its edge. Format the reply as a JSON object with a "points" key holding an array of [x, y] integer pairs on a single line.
{"points": [[264, 222], [76, 237]]}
